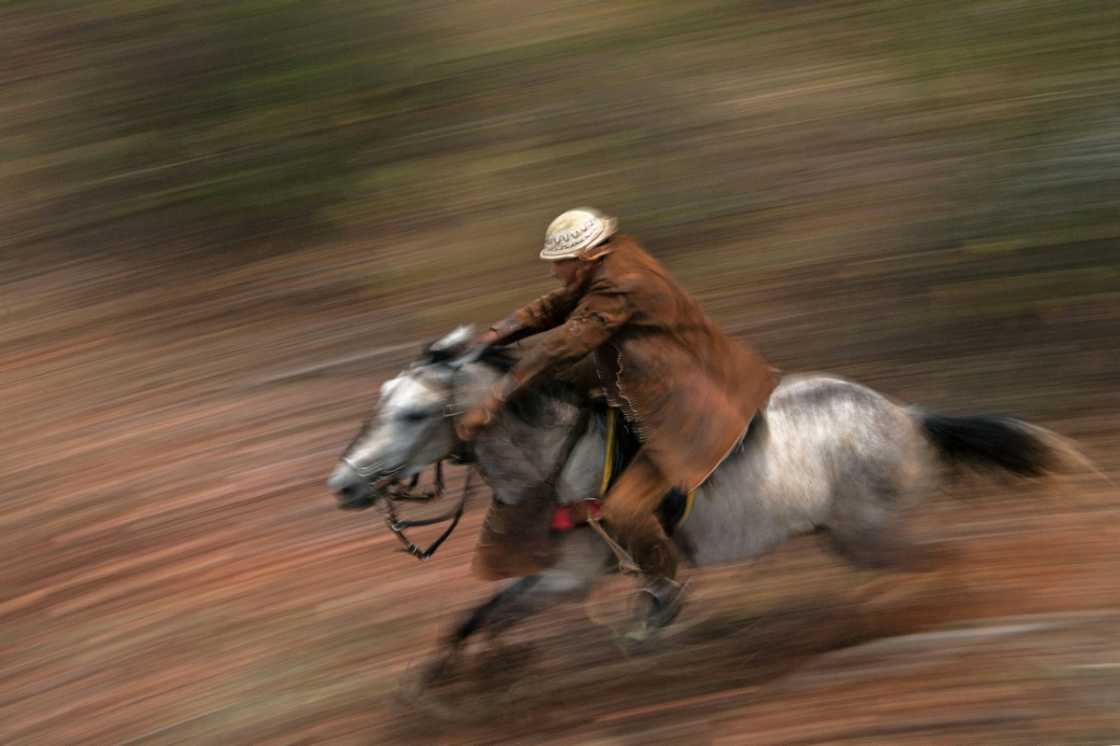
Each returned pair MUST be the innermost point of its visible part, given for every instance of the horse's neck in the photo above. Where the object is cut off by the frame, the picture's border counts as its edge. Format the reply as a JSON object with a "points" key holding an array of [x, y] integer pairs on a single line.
{"points": [[520, 454], [473, 385]]}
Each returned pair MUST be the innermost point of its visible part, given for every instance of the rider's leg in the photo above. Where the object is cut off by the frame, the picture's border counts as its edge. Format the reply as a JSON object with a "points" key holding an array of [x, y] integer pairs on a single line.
{"points": [[514, 541], [629, 514]]}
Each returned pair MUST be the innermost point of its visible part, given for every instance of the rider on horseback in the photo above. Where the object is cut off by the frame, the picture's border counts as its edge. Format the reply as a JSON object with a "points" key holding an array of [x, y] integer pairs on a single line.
{"points": [[686, 388]]}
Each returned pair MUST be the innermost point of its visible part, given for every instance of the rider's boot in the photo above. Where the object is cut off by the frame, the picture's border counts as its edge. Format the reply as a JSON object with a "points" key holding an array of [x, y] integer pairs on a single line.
{"points": [[629, 516], [660, 600]]}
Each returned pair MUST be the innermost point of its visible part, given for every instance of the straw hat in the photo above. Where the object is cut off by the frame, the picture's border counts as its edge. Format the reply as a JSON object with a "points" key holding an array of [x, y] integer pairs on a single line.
{"points": [[575, 232]]}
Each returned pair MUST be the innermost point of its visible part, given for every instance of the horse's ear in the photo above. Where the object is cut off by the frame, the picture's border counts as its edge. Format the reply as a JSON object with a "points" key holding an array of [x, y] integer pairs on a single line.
{"points": [[470, 355], [451, 346]]}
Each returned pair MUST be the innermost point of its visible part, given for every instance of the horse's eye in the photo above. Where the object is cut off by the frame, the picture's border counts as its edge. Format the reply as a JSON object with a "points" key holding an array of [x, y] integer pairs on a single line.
{"points": [[414, 417]]}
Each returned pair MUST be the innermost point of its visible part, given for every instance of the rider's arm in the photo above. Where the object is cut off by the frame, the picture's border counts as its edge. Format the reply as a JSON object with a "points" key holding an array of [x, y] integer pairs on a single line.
{"points": [[600, 312], [544, 313]]}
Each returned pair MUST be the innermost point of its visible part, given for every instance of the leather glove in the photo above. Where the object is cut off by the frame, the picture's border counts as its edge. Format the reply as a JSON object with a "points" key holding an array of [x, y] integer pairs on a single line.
{"points": [[486, 339], [474, 420]]}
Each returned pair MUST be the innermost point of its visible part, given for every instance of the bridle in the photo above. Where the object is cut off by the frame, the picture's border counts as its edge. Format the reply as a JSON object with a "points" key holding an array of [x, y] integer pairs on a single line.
{"points": [[396, 491]]}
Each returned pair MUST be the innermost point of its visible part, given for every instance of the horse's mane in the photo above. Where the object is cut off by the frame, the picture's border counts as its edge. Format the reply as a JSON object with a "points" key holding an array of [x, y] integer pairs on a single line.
{"points": [[500, 358], [530, 404]]}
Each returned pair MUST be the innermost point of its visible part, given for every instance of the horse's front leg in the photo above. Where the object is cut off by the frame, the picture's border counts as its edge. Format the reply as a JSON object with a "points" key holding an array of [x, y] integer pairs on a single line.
{"points": [[583, 559]]}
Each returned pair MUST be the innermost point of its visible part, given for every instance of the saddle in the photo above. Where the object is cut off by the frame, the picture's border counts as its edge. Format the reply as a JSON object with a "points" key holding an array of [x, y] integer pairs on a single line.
{"points": [[622, 446], [523, 539]]}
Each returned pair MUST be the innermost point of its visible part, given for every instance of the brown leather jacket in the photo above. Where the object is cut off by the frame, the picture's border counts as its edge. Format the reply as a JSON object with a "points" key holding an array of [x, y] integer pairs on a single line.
{"points": [[688, 388]]}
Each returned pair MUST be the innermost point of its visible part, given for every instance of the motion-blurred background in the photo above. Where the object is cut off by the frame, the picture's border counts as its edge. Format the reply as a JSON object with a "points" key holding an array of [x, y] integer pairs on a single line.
{"points": [[223, 223]]}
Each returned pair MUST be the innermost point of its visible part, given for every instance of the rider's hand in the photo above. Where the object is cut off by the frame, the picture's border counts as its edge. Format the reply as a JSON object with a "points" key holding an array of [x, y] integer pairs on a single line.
{"points": [[484, 340], [472, 421]]}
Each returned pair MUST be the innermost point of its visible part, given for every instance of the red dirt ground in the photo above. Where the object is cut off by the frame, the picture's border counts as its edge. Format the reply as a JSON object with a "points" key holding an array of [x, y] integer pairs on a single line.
{"points": [[175, 572]]}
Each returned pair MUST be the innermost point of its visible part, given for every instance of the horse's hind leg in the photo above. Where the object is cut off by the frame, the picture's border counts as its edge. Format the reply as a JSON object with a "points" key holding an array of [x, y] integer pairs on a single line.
{"points": [[874, 536], [886, 546], [866, 529]]}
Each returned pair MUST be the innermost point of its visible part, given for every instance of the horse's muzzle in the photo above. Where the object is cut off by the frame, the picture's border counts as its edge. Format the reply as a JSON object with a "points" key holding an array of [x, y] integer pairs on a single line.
{"points": [[351, 489]]}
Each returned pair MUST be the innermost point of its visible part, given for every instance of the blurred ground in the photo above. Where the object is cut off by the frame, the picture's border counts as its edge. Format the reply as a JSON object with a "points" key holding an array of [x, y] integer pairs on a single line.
{"points": [[176, 572], [224, 223]]}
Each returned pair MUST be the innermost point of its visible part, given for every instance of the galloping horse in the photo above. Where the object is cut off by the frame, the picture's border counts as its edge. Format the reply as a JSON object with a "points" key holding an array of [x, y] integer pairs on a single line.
{"points": [[825, 454]]}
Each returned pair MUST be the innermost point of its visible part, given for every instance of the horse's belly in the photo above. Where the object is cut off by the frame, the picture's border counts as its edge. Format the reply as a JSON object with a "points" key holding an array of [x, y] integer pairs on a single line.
{"points": [[729, 530]]}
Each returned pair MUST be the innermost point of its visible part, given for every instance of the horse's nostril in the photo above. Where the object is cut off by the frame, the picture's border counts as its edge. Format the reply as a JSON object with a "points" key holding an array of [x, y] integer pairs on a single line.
{"points": [[342, 479]]}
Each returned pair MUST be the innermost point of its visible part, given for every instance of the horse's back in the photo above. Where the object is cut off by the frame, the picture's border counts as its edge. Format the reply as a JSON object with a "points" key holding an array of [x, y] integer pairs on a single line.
{"points": [[813, 391], [824, 423], [821, 443]]}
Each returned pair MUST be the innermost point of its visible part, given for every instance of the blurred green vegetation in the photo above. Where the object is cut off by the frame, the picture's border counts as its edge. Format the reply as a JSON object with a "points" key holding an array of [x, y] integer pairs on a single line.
{"points": [[901, 165], [225, 120]]}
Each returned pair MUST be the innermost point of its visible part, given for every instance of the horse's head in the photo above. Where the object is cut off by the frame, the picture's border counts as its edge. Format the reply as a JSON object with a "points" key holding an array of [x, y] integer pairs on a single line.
{"points": [[412, 426]]}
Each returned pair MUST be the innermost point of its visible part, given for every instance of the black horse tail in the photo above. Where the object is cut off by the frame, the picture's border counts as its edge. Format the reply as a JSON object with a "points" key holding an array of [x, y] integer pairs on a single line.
{"points": [[1004, 443]]}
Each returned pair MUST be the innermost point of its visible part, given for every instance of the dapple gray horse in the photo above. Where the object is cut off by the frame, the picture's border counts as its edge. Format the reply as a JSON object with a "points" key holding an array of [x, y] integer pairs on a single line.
{"points": [[825, 455]]}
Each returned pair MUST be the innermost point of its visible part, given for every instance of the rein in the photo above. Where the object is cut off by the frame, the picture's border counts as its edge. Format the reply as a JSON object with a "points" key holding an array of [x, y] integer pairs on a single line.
{"points": [[398, 493]]}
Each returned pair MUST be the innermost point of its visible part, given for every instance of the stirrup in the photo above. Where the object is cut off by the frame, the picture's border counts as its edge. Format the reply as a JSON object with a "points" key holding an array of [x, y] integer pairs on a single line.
{"points": [[667, 601], [626, 563], [648, 627]]}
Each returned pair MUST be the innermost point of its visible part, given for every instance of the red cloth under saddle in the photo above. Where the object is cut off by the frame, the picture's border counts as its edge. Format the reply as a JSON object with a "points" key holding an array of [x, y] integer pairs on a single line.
{"points": [[567, 517]]}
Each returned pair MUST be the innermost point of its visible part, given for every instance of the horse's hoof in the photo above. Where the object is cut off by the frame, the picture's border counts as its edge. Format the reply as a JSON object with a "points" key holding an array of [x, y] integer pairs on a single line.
{"points": [[639, 639]]}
